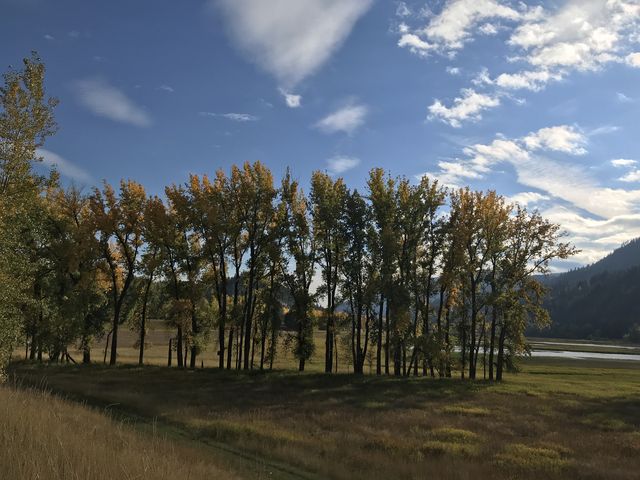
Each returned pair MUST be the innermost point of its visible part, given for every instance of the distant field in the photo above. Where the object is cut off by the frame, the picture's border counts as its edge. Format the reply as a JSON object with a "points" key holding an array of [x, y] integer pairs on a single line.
{"points": [[158, 336], [557, 419]]}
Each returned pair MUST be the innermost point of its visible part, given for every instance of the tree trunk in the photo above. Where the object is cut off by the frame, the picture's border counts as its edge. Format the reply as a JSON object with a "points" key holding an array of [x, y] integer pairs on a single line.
{"points": [[379, 351], [492, 342], [179, 347], [500, 365], [386, 341], [106, 347], [230, 347], [114, 337], [249, 318], [472, 340]]}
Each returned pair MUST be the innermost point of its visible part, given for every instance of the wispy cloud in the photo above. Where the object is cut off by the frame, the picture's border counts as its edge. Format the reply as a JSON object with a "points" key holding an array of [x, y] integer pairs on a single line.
{"points": [[528, 198], [346, 119], [469, 106], [341, 164], [63, 166], [107, 101], [166, 88], [622, 98], [633, 172], [291, 99], [596, 216], [236, 117], [49, 37], [623, 162], [291, 39]]}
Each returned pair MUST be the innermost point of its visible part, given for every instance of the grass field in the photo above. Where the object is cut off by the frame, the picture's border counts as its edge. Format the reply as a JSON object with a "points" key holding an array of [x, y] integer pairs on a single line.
{"points": [[556, 419], [46, 437]]}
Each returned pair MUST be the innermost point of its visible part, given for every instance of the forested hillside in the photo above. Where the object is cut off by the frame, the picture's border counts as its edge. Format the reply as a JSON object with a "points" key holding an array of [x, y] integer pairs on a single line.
{"points": [[597, 301]]}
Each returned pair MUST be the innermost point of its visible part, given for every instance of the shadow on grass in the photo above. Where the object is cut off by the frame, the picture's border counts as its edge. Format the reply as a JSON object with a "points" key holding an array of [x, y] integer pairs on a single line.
{"points": [[222, 389]]}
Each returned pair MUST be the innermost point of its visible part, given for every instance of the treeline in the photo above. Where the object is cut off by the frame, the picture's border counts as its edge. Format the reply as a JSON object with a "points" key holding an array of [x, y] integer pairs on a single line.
{"points": [[430, 279]]}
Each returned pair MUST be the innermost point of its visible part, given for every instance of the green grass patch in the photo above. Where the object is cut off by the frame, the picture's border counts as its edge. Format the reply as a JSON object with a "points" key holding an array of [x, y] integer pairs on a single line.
{"points": [[465, 410], [524, 457]]}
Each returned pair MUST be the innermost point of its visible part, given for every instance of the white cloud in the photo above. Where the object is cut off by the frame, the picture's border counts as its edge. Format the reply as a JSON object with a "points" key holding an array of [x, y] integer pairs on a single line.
{"points": [[622, 98], [633, 59], [595, 237], [346, 119], [562, 138], [403, 10], [341, 164], [291, 99], [467, 107], [415, 44], [291, 39], [527, 198], [107, 101], [527, 79], [453, 70], [569, 182], [454, 25], [63, 166], [579, 36], [488, 29], [623, 162], [632, 176], [49, 37], [236, 117], [166, 88]]}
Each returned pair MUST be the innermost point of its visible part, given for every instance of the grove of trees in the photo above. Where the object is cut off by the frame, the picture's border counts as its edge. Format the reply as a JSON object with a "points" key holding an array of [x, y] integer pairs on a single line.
{"points": [[421, 279]]}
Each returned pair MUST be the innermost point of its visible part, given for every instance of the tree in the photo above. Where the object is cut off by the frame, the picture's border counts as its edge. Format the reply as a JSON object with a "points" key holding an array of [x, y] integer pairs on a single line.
{"points": [[327, 198], [256, 198], [532, 242], [119, 223], [356, 270], [301, 255], [26, 120], [384, 244], [78, 288], [213, 217]]}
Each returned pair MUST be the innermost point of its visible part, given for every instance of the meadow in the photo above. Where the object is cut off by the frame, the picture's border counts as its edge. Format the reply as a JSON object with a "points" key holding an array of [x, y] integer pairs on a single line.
{"points": [[555, 419]]}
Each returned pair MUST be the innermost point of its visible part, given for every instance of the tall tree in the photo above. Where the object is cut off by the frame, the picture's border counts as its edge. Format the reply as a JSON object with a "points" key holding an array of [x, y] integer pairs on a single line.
{"points": [[119, 223], [327, 199], [382, 198], [299, 264], [256, 199], [357, 271], [26, 120]]}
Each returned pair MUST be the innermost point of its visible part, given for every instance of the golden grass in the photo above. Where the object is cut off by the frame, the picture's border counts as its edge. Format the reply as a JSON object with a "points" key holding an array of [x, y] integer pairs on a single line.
{"points": [[554, 420], [44, 437]]}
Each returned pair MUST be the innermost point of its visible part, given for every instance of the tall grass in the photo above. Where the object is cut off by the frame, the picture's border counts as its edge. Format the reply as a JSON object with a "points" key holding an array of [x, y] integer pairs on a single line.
{"points": [[44, 437], [555, 420]]}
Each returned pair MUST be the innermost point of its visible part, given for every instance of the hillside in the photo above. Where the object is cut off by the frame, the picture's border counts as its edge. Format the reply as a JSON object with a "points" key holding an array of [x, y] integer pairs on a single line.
{"points": [[622, 258], [599, 300]]}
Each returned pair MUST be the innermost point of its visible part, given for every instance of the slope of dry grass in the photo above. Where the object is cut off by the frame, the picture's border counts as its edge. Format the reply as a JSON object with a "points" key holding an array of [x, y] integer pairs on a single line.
{"points": [[44, 437]]}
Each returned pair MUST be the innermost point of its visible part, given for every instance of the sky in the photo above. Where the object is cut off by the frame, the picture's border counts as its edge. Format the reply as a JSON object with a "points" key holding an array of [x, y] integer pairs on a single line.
{"points": [[537, 100]]}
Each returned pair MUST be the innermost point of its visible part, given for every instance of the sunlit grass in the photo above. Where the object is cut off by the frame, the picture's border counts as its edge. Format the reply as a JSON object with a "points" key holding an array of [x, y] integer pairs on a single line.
{"points": [[545, 421]]}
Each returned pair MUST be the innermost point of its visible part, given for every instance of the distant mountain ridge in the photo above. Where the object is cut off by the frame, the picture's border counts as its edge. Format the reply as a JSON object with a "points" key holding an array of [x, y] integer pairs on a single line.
{"points": [[622, 258], [599, 300]]}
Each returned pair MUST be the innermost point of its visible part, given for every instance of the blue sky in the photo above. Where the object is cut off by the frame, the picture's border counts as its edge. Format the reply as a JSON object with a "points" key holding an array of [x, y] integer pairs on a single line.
{"points": [[538, 100]]}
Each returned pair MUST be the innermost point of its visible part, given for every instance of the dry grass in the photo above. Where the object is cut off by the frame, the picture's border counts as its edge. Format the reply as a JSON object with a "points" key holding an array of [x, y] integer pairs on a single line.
{"points": [[43, 437], [555, 420]]}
